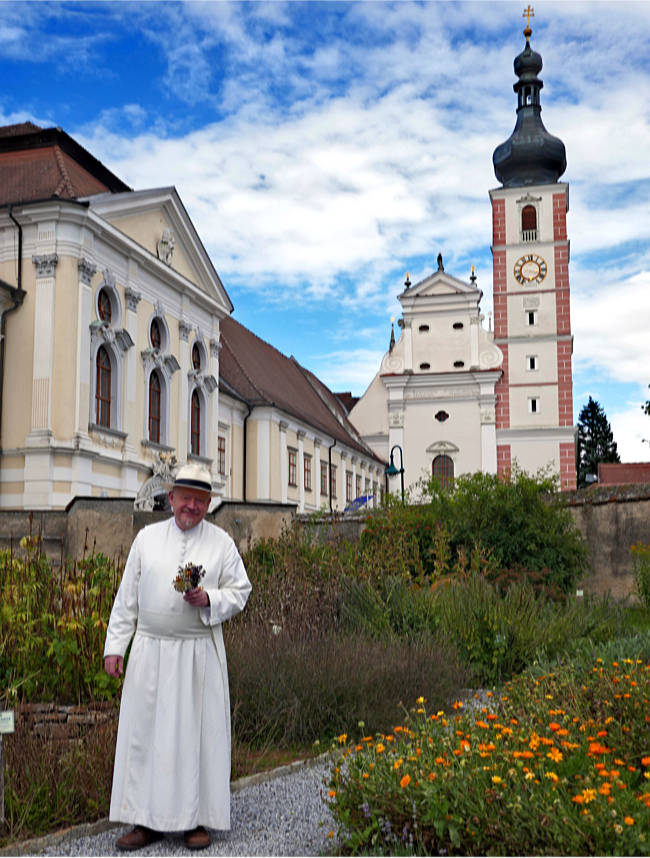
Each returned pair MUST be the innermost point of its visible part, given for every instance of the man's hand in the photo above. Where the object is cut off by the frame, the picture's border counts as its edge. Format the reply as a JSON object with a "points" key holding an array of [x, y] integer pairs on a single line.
{"points": [[197, 597], [114, 665]]}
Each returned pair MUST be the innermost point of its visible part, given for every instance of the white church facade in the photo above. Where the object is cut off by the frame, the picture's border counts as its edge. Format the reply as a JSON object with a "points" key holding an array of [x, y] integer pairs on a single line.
{"points": [[452, 397]]}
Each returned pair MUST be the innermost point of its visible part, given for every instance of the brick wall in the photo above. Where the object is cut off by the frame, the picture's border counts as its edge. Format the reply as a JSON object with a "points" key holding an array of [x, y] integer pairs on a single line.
{"points": [[63, 722]]}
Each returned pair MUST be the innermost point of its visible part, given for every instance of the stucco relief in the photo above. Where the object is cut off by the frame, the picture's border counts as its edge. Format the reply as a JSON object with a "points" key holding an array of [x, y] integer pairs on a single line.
{"points": [[490, 358], [488, 415], [396, 419], [392, 363]]}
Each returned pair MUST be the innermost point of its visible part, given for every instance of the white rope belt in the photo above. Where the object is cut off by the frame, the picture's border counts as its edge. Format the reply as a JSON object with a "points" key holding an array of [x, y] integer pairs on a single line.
{"points": [[183, 626]]}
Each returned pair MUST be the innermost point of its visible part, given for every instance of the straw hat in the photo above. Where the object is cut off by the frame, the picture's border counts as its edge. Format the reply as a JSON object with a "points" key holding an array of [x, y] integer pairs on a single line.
{"points": [[193, 476]]}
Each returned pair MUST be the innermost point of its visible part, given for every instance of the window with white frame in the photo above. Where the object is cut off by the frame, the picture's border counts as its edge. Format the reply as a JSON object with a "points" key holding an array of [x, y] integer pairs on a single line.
{"points": [[293, 466], [532, 363], [323, 478], [533, 404], [307, 472], [221, 455], [348, 486], [531, 317]]}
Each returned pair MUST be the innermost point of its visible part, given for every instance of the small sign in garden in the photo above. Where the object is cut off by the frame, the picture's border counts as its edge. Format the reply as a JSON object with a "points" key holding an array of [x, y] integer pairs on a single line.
{"points": [[6, 726]]}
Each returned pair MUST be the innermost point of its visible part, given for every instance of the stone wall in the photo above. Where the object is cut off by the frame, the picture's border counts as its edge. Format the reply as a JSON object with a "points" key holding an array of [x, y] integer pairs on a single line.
{"points": [[612, 519], [109, 525], [53, 721]]}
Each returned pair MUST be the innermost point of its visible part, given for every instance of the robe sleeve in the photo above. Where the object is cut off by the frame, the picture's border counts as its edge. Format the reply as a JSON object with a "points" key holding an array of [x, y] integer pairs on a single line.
{"points": [[124, 616], [231, 595]]}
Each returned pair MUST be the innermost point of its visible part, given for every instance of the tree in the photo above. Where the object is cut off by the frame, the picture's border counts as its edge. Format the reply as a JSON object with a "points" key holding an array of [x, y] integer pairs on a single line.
{"points": [[595, 441]]}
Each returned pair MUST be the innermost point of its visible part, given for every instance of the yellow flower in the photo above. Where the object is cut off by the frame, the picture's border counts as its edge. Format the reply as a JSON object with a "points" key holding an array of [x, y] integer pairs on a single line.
{"points": [[555, 755], [552, 776], [397, 764], [380, 748], [420, 700], [496, 779], [343, 738], [406, 780]]}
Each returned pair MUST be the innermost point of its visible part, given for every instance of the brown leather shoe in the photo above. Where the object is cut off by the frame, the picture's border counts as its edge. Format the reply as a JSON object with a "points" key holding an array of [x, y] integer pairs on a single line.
{"points": [[137, 838], [197, 838]]}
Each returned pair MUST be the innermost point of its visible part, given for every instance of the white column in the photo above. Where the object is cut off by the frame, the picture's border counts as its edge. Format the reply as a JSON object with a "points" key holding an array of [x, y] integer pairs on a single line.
{"points": [[43, 357], [317, 443], [213, 399], [284, 471], [131, 425], [182, 443], [83, 381], [264, 458], [301, 470]]}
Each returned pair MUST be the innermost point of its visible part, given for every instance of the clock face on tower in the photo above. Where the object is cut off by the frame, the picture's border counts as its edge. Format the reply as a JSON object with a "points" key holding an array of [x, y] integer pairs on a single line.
{"points": [[530, 269]]}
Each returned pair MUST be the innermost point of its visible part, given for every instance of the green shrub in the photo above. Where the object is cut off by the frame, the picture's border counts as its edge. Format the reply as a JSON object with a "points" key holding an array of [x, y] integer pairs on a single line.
{"points": [[499, 634], [53, 625], [519, 522]]}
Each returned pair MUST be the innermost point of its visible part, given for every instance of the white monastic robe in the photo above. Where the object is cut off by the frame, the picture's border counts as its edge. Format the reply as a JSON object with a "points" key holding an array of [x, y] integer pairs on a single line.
{"points": [[172, 758]]}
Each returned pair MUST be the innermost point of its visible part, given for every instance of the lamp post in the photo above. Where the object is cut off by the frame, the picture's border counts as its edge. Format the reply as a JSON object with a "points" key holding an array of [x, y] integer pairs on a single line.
{"points": [[392, 471]]}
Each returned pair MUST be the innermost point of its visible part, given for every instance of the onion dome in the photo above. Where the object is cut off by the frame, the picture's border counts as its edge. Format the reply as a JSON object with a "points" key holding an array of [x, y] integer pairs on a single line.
{"points": [[530, 156]]}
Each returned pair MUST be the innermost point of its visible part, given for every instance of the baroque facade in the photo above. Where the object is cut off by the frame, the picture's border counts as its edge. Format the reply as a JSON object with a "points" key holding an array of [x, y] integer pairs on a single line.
{"points": [[111, 315], [456, 398]]}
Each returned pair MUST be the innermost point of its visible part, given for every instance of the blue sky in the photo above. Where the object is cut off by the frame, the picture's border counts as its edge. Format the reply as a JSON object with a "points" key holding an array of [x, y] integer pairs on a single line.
{"points": [[324, 149]]}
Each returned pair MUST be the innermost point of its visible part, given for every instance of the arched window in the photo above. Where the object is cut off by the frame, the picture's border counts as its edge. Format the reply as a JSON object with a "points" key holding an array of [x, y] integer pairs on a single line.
{"points": [[196, 357], [195, 424], [103, 388], [155, 334], [529, 223], [443, 470], [104, 306], [155, 388]]}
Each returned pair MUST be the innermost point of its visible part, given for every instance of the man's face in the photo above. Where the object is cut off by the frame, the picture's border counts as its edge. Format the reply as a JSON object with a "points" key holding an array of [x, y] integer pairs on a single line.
{"points": [[189, 506]]}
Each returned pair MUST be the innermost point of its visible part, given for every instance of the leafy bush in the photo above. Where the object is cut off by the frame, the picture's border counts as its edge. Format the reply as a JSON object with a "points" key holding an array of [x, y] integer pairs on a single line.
{"points": [[558, 765], [499, 633], [53, 624], [486, 521]]}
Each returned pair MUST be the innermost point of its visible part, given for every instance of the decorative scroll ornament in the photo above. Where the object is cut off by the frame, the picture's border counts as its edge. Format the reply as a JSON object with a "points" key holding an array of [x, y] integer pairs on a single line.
{"points": [[100, 330], [208, 383], [153, 492], [132, 298], [45, 265], [154, 359], [87, 270]]}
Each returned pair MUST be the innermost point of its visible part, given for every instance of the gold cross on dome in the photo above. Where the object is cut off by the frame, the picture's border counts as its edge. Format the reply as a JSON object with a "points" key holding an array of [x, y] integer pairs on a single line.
{"points": [[529, 13]]}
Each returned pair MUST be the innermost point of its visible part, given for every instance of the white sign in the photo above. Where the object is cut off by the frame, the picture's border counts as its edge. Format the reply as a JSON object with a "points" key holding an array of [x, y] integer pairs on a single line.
{"points": [[7, 721]]}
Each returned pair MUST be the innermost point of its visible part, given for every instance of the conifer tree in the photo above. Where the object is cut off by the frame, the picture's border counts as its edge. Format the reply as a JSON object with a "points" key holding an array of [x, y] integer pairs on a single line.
{"points": [[595, 440]]}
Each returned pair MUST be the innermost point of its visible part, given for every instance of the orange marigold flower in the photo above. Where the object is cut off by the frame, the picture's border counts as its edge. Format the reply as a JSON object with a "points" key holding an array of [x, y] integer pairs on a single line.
{"points": [[458, 704], [629, 820], [365, 776], [555, 755], [554, 726], [406, 780], [380, 748], [645, 761], [343, 738], [432, 776], [397, 764], [482, 724], [496, 779], [332, 793]]}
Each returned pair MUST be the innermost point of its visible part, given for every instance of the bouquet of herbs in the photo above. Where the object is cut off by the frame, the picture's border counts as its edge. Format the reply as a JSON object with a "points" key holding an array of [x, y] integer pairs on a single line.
{"points": [[188, 577]]}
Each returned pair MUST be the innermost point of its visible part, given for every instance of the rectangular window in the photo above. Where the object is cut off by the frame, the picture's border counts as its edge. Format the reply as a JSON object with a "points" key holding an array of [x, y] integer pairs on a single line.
{"points": [[307, 466], [531, 362], [533, 405], [367, 487], [323, 478], [293, 467], [531, 317], [348, 486], [221, 454], [358, 486], [333, 480]]}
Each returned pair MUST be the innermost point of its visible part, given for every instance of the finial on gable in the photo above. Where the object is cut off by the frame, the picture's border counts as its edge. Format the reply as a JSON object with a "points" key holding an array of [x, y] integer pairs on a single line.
{"points": [[472, 277], [392, 334], [407, 282], [529, 13], [441, 267]]}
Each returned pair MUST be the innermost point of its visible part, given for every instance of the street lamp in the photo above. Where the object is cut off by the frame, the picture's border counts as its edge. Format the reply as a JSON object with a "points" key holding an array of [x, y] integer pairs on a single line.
{"points": [[392, 471]]}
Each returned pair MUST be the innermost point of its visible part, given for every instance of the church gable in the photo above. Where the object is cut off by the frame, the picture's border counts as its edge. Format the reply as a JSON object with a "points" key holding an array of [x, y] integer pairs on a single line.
{"points": [[439, 284], [158, 222]]}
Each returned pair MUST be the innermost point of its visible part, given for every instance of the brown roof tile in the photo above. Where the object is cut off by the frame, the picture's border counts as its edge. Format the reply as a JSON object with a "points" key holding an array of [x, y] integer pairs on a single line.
{"points": [[40, 163], [262, 375]]}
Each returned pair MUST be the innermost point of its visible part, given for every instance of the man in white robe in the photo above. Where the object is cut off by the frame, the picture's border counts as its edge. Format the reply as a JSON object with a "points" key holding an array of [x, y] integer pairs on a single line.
{"points": [[172, 757]]}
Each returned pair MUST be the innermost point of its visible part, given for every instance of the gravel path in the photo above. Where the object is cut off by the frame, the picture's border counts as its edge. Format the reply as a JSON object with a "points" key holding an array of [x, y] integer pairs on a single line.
{"points": [[284, 814]]}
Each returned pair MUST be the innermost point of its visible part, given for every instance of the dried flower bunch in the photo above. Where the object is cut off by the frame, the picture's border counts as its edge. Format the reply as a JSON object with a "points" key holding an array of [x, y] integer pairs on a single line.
{"points": [[188, 577]]}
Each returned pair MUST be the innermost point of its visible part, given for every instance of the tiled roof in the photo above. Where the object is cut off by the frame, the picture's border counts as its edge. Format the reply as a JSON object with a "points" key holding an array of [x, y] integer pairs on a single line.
{"points": [[40, 163], [261, 375]]}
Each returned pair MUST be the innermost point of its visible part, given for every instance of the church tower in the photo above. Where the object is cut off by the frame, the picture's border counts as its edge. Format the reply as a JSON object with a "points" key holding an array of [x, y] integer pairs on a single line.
{"points": [[532, 325]]}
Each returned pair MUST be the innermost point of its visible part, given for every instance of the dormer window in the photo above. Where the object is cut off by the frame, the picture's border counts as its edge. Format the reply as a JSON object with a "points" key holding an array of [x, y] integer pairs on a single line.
{"points": [[529, 223]]}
